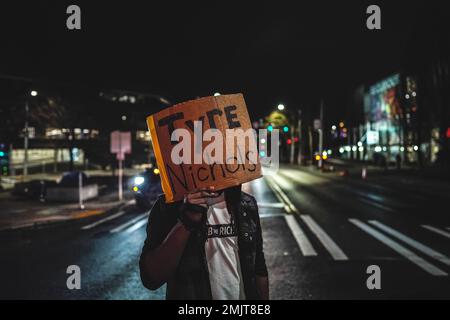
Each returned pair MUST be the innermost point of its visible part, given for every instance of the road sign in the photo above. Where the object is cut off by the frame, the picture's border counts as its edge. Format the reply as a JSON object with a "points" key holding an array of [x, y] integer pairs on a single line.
{"points": [[317, 124], [373, 137], [120, 144]]}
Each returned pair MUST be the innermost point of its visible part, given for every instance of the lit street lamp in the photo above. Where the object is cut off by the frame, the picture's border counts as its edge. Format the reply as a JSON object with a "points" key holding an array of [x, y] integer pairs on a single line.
{"points": [[281, 107], [33, 93]]}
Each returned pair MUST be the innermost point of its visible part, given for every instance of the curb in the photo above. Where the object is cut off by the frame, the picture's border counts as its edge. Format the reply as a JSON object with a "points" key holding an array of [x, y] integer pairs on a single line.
{"points": [[85, 214]]}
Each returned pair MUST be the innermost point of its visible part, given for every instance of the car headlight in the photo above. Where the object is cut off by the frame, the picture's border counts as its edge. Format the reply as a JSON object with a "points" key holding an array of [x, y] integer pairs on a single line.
{"points": [[139, 180]]}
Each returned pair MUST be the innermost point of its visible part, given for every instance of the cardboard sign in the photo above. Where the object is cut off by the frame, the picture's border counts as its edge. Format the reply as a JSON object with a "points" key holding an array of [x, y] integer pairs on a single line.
{"points": [[206, 160]]}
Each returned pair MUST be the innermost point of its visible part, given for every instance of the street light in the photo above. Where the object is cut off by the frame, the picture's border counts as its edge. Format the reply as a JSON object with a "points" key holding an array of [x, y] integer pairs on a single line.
{"points": [[281, 107], [33, 93], [216, 94]]}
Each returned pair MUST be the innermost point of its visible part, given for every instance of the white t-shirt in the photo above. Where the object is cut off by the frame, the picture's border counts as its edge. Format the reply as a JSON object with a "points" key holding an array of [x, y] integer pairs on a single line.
{"points": [[222, 254]]}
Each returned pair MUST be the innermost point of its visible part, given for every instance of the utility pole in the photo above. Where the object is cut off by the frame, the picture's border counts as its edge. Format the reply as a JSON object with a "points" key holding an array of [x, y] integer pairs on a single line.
{"points": [[311, 153], [321, 135], [80, 190], [25, 142], [291, 158], [299, 124], [120, 168]]}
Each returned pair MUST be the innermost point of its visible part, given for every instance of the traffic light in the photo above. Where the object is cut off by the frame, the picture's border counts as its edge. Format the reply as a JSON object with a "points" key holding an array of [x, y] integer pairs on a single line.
{"points": [[285, 128], [4, 160]]}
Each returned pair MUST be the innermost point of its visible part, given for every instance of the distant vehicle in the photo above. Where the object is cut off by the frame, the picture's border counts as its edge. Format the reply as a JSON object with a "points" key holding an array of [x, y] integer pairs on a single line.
{"points": [[37, 189], [71, 179], [146, 187], [34, 189], [324, 156]]}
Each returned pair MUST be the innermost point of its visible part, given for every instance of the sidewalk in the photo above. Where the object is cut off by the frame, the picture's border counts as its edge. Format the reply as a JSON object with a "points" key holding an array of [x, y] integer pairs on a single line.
{"points": [[17, 213], [354, 168], [7, 183]]}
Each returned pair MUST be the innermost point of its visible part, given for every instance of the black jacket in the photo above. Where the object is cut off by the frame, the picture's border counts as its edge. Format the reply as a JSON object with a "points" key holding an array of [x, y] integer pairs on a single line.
{"points": [[191, 279]]}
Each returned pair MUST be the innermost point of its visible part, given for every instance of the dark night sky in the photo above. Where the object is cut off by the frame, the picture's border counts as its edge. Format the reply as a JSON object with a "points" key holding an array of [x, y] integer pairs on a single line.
{"points": [[271, 51]]}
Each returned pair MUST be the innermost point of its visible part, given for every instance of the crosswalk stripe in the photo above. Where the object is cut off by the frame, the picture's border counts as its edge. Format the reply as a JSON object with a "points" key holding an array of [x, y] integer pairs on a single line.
{"points": [[270, 205], [376, 204], [271, 215], [436, 230], [129, 223], [413, 243], [324, 238], [99, 222], [408, 254], [136, 226], [305, 246]]}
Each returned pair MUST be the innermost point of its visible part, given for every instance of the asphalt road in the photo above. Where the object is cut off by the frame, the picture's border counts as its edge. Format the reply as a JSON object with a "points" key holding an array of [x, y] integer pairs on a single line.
{"points": [[321, 233]]}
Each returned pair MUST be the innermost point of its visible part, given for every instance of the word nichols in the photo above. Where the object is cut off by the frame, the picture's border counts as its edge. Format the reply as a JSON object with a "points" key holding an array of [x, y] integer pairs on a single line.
{"points": [[205, 173]]}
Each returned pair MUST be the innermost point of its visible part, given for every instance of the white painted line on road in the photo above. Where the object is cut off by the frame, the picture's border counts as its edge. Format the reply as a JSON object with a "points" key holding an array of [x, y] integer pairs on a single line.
{"points": [[376, 204], [130, 202], [289, 206], [136, 226], [408, 254], [271, 186], [99, 222], [305, 246], [129, 223], [271, 215], [327, 242], [413, 243], [436, 230], [270, 205]]}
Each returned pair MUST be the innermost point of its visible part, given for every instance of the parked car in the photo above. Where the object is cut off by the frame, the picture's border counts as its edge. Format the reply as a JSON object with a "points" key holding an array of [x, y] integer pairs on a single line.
{"points": [[34, 189], [37, 189]]}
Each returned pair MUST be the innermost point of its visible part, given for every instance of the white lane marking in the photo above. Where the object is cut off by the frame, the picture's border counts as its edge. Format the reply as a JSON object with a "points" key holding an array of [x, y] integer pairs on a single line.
{"points": [[436, 230], [413, 243], [270, 205], [289, 206], [136, 226], [109, 218], [129, 223], [305, 246], [408, 254], [327, 242], [271, 215], [376, 204]]}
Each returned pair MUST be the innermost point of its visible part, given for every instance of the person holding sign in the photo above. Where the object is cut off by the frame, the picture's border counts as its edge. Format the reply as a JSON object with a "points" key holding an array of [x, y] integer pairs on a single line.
{"points": [[204, 235]]}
